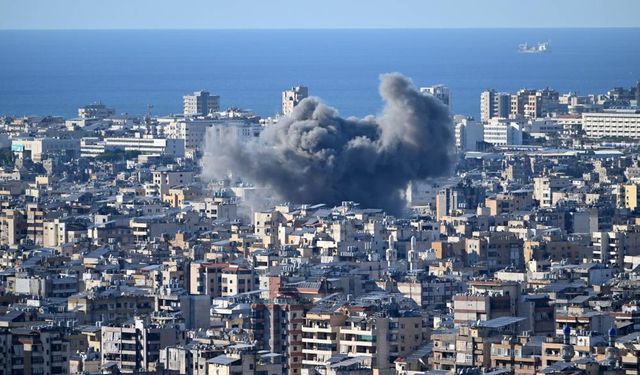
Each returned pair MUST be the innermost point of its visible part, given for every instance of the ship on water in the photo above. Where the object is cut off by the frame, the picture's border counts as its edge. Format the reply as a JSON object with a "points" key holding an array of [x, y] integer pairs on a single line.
{"points": [[541, 47]]}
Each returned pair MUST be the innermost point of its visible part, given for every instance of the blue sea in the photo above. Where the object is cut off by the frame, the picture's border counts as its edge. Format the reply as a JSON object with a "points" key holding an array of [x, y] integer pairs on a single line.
{"points": [[54, 72]]}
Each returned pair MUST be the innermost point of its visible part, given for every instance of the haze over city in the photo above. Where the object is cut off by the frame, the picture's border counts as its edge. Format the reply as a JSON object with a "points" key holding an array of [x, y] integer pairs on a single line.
{"points": [[290, 14]]}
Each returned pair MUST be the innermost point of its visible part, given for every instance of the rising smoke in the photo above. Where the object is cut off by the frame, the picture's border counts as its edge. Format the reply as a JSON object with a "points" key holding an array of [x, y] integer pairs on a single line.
{"points": [[315, 156]]}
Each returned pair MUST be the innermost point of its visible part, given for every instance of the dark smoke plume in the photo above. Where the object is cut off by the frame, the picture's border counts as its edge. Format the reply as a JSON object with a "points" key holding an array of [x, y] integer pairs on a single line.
{"points": [[316, 156]]}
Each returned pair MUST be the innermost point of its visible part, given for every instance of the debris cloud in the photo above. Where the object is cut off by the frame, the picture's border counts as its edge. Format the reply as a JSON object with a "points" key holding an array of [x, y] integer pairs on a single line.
{"points": [[315, 155]]}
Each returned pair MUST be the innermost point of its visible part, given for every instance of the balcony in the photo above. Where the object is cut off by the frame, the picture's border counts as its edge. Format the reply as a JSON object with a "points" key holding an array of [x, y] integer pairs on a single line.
{"points": [[445, 348], [317, 329], [317, 340], [445, 361], [356, 331], [316, 351]]}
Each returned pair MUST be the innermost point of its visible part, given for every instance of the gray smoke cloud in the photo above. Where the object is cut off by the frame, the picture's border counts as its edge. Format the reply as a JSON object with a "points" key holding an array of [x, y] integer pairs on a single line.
{"points": [[315, 156]]}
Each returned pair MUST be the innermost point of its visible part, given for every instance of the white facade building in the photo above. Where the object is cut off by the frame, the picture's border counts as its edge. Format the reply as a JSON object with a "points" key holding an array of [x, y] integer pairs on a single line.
{"points": [[191, 130], [42, 147], [441, 92], [571, 124], [468, 133], [611, 124], [291, 98], [494, 104], [165, 179], [542, 127], [232, 131], [194, 132], [92, 147], [544, 187], [502, 132], [200, 103]]}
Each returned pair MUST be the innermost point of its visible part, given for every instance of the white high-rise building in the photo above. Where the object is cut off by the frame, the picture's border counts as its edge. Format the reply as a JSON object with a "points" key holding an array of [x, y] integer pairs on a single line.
{"points": [[291, 98], [200, 103], [441, 92], [95, 110], [624, 124], [468, 134], [502, 132], [192, 130], [196, 132], [494, 104]]}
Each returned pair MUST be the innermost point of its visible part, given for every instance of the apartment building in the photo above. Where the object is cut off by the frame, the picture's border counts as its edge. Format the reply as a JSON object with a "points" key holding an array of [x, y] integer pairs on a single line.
{"points": [[321, 336], [246, 359], [611, 124], [494, 250], [444, 349], [278, 329], [41, 148], [494, 104], [428, 291], [34, 350], [292, 97], [95, 111], [221, 279], [468, 134], [611, 247], [520, 354], [166, 179], [189, 359], [502, 132], [535, 103], [200, 103], [13, 227], [149, 146], [544, 187], [35, 223], [109, 304], [486, 300], [382, 338], [440, 92], [135, 346]]}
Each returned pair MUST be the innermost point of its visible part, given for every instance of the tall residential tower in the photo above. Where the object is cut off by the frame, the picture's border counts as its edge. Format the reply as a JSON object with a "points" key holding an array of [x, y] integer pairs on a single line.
{"points": [[441, 92], [494, 104], [291, 98], [200, 103]]}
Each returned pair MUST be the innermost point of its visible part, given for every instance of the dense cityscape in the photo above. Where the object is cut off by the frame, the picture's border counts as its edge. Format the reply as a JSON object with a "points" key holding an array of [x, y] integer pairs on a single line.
{"points": [[122, 253]]}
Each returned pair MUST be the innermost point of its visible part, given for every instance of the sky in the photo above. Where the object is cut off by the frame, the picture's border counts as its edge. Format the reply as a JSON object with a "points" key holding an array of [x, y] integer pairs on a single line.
{"points": [[300, 14]]}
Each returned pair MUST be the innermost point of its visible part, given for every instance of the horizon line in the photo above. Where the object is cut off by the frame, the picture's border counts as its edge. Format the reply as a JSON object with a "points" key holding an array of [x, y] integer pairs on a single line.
{"points": [[332, 28]]}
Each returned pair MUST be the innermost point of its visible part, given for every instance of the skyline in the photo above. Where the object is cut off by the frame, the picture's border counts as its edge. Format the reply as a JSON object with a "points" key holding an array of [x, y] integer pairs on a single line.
{"points": [[282, 187], [250, 14]]}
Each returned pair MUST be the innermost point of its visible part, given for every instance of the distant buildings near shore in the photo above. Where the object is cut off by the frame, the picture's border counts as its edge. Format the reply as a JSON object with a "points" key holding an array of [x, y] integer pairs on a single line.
{"points": [[119, 253]]}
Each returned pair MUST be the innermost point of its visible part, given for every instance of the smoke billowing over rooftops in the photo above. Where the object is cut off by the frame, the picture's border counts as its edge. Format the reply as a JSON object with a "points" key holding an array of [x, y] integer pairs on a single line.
{"points": [[317, 156]]}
